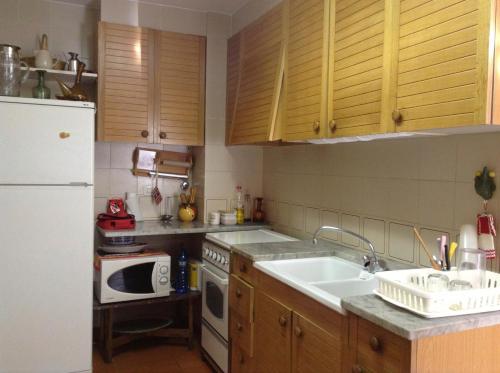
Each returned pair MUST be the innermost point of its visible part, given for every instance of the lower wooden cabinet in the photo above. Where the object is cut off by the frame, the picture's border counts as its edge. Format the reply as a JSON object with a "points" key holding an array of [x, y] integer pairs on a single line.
{"points": [[313, 348], [241, 362], [273, 323]]}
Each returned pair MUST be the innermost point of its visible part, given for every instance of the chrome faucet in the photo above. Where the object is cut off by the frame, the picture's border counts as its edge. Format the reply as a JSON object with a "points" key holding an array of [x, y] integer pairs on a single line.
{"points": [[372, 263]]}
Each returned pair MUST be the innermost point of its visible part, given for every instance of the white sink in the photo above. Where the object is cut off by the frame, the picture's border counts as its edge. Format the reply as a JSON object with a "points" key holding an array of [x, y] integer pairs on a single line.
{"points": [[326, 279]]}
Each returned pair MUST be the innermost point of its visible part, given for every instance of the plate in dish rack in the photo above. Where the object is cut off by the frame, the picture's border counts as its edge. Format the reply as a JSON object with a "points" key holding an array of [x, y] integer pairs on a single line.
{"points": [[123, 249]]}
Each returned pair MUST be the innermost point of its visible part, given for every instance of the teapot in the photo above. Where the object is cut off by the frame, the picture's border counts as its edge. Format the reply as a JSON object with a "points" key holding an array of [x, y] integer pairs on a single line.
{"points": [[10, 70], [75, 93]]}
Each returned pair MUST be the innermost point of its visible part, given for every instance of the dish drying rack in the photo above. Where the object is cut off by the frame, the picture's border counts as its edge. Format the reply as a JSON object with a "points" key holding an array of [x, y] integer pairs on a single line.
{"points": [[407, 289]]}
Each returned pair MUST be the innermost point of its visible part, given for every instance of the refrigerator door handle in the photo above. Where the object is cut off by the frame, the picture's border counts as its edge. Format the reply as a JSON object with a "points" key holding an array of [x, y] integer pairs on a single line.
{"points": [[80, 183]]}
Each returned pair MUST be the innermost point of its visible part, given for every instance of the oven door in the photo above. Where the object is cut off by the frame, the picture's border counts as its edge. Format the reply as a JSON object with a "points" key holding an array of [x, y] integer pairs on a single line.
{"points": [[215, 298]]}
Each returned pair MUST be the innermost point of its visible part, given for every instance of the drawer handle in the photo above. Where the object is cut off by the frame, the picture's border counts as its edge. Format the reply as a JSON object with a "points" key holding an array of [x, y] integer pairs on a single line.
{"points": [[375, 344], [332, 125], [298, 332], [397, 117], [243, 267], [282, 320], [357, 369], [163, 135], [239, 327], [238, 293], [145, 133], [316, 126]]}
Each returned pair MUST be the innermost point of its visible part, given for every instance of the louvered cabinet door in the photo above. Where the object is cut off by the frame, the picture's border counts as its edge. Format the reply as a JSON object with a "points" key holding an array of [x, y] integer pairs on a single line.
{"points": [[233, 79], [260, 82], [442, 63], [357, 30], [180, 88], [125, 87], [307, 69]]}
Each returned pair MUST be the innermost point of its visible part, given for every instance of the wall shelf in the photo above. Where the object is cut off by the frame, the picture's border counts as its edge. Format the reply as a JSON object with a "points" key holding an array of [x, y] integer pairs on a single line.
{"points": [[63, 75]]}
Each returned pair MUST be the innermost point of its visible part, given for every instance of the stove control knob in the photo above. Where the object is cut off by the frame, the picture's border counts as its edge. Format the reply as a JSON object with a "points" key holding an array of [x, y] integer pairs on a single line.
{"points": [[207, 250], [223, 260], [218, 257], [163, 280], [214, 255], [163, 270]]}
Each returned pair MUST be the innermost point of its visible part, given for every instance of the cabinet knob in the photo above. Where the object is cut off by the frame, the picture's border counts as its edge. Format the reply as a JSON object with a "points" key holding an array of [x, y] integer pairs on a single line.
{"points": [[239, 327], [243, 267], [332, 125], [375, 344], [282, 320], [145, 133], [357, 369], [316, 126], [238, 293], [163, 135], [298, 332], [397, 117]]}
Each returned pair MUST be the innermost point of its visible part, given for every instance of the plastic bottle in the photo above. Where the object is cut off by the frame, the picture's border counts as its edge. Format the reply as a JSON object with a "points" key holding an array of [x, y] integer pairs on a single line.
{"points": [[240, 212], [181, 285]]}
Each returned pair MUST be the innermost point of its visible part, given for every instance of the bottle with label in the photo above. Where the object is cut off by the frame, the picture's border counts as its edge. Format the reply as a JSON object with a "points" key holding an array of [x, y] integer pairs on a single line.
{"points": [[248, 207], [181, 285], [240, 212]]}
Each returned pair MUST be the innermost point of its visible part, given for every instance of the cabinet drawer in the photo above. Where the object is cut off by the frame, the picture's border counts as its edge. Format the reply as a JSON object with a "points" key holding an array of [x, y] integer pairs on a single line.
{"points": [[241, 333], [243, 268], [379, 350], [241, 298], [241, 362]]}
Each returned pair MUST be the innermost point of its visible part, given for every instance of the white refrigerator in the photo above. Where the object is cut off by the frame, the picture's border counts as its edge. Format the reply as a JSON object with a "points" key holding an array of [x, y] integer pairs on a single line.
{"points": [[46, 235]]}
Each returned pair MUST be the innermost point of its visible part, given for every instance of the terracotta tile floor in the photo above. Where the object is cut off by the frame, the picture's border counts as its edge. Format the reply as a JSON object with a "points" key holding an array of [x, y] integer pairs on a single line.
{"points": [[152, 357]]}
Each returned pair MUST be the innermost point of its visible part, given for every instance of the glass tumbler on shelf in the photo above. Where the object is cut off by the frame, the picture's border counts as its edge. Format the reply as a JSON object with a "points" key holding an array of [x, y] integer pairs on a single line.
{"points": [[472, 267]]}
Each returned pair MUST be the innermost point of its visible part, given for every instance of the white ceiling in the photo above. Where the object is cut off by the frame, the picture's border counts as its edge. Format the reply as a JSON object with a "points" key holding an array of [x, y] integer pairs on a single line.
{"points": [[217, 6]]}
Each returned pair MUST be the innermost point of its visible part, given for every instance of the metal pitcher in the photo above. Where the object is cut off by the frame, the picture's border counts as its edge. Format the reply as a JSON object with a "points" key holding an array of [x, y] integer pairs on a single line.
{"points": [[11, 75]]}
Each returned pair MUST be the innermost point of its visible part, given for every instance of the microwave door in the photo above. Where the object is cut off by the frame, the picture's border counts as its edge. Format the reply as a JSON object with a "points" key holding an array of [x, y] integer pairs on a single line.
{"points": [[133, 279]]}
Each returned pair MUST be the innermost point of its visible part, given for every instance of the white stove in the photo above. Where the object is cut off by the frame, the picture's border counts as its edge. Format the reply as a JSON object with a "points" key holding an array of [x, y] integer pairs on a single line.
{"points": [[215, 281]]}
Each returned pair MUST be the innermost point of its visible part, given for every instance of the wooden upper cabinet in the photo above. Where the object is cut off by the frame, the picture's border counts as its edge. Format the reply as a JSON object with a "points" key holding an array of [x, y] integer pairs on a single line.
{"points": [[151, 86], [359, 62], [126, 83], [307, 69], [260, 63], [444, 63], [180, 92], [233, 79]]}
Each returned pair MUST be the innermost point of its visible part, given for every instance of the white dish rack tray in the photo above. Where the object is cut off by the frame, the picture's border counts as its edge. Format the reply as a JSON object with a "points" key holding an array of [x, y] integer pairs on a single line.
{"points": [[407, 289]]}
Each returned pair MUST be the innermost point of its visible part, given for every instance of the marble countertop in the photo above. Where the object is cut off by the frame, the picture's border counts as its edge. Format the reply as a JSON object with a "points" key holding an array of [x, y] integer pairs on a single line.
{"points": [[157, 228], [369, 307], [412, 326]]}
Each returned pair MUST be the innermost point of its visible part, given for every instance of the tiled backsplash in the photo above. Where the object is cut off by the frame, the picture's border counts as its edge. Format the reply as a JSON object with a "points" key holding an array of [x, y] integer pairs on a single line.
{"points": [[380, 189], [114, 178]]}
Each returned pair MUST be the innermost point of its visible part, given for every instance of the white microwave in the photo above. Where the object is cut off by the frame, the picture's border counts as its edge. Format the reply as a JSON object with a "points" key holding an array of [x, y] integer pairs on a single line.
{"points": [[130, 277]]}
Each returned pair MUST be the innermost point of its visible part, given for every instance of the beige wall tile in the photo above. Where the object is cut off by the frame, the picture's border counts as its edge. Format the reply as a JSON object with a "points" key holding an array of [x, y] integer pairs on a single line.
{"points": [[330, 218], [121, 155], [297, 217], [438, 158], [351, 223], [100, 206], [374, 230], [474, 152], [270, 212], [102, 156], [331, 192], [121, 181], [150, 210], [376, 197], [403, 199], [283, 214], [436, 203], [312, 220], [216, 205], [401, 242], [467, 204], [352, 190], [102, 183]]}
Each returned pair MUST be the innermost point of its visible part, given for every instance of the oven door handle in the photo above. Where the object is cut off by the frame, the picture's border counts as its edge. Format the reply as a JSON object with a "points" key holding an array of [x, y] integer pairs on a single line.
{"points": [[222, 281]]}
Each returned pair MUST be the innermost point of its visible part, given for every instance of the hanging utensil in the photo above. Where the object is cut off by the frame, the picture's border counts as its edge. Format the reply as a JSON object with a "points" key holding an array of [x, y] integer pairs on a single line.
{"points": [[155, 193]]}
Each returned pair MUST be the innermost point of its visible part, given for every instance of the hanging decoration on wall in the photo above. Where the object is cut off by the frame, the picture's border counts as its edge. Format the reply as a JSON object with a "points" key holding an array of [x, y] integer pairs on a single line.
{"points": [[484, 183]]}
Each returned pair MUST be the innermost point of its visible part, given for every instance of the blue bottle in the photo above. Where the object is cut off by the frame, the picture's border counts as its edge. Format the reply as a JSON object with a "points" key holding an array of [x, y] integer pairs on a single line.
{"points": [[181, 285]]}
